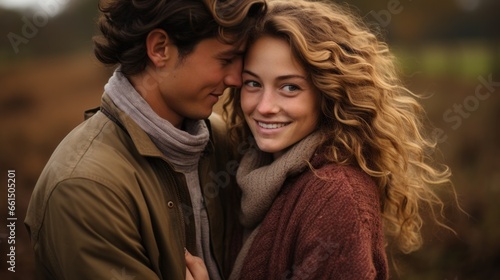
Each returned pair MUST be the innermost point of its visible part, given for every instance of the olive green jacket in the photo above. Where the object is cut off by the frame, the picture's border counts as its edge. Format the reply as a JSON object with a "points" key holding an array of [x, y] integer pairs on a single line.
{"points": [[108, 205]]}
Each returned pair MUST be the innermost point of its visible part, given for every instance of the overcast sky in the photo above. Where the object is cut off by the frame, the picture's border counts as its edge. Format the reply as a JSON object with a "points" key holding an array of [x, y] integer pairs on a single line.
{"points": [[19, 3], [51, 6]]}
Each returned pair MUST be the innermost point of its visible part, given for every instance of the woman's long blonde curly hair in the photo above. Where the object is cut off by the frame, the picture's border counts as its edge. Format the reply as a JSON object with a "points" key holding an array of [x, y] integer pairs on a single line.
{"points": [[368, 117]]}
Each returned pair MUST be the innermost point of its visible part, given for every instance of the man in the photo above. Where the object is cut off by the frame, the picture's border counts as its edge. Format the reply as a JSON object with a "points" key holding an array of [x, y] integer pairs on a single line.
{"points": [[129, 189]]}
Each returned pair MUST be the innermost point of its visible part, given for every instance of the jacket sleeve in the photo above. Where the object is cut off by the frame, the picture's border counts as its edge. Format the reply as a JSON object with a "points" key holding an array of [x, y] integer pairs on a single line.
{"points": [[339, 237], [90, 232]]}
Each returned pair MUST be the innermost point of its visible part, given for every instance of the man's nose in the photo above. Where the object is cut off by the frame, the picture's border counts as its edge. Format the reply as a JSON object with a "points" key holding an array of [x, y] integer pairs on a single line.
{"points": [[233, 76]]}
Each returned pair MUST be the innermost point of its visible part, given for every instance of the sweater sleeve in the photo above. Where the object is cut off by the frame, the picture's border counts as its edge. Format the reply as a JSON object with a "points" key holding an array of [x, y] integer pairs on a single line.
{"points": [[340, 237], [89, 232]]}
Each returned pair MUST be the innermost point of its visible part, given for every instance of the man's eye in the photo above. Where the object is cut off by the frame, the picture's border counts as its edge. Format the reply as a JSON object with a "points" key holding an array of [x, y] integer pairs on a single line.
{"points": [[227, 61]]}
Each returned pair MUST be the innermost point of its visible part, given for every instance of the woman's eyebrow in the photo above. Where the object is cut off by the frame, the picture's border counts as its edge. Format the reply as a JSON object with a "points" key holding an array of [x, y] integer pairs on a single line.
{"points": [[283, 77]]}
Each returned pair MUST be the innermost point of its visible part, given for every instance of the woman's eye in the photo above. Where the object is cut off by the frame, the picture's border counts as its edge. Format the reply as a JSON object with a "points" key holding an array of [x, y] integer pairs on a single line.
{"points": [[291, 88], [251, 84]]}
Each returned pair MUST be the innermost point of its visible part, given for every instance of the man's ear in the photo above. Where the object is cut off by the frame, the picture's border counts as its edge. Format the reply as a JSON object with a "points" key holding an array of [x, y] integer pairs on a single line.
{"points": [[158, 47]]}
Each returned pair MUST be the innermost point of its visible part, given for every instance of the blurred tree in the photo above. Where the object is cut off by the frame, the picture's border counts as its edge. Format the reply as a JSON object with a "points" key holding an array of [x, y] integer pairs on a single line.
{"points": [[40, 33], [417, 21]]}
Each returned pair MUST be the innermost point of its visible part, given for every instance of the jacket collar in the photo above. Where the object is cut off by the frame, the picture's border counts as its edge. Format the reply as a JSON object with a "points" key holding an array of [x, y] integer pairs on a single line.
{"points": [[139, 137]]}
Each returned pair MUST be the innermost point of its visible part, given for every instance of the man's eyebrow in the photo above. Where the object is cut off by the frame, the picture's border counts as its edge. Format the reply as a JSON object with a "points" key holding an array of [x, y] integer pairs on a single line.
{"points": [[232, 52]]}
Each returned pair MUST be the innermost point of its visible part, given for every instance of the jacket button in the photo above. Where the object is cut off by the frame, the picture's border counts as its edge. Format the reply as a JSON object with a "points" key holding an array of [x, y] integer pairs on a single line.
{"points": [[170, 204]]}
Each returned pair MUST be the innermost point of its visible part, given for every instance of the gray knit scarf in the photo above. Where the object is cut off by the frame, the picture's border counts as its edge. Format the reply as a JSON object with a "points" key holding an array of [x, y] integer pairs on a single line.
{"points": [[182, 148], [260, 178]]}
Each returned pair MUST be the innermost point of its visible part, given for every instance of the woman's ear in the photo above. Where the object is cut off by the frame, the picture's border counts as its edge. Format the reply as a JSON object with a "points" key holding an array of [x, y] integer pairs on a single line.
{"points": [[157, 45]]}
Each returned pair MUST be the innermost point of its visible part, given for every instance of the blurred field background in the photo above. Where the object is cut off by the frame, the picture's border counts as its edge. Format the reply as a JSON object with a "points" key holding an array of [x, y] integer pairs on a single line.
{"points": [[448, 51]]}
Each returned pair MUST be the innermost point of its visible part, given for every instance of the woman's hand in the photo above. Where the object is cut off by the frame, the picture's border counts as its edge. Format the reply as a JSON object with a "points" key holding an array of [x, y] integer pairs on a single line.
{"points": [[195, 268]]}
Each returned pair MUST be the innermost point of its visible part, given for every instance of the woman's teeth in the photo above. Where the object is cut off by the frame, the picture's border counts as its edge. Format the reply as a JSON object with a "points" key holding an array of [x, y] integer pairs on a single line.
{"points": [[271, 125]]}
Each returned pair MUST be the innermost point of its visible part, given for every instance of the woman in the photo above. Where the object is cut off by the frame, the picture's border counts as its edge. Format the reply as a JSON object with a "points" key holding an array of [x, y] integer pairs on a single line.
{"points": [[340, 164]]}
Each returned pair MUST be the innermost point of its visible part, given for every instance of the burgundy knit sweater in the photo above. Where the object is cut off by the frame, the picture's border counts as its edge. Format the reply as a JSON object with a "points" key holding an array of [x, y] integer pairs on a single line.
{"points": [[317, 228]]}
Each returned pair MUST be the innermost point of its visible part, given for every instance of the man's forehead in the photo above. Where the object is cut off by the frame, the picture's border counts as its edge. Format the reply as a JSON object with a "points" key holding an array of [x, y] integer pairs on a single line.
{"points": [[232, 50], [221, 48]]}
